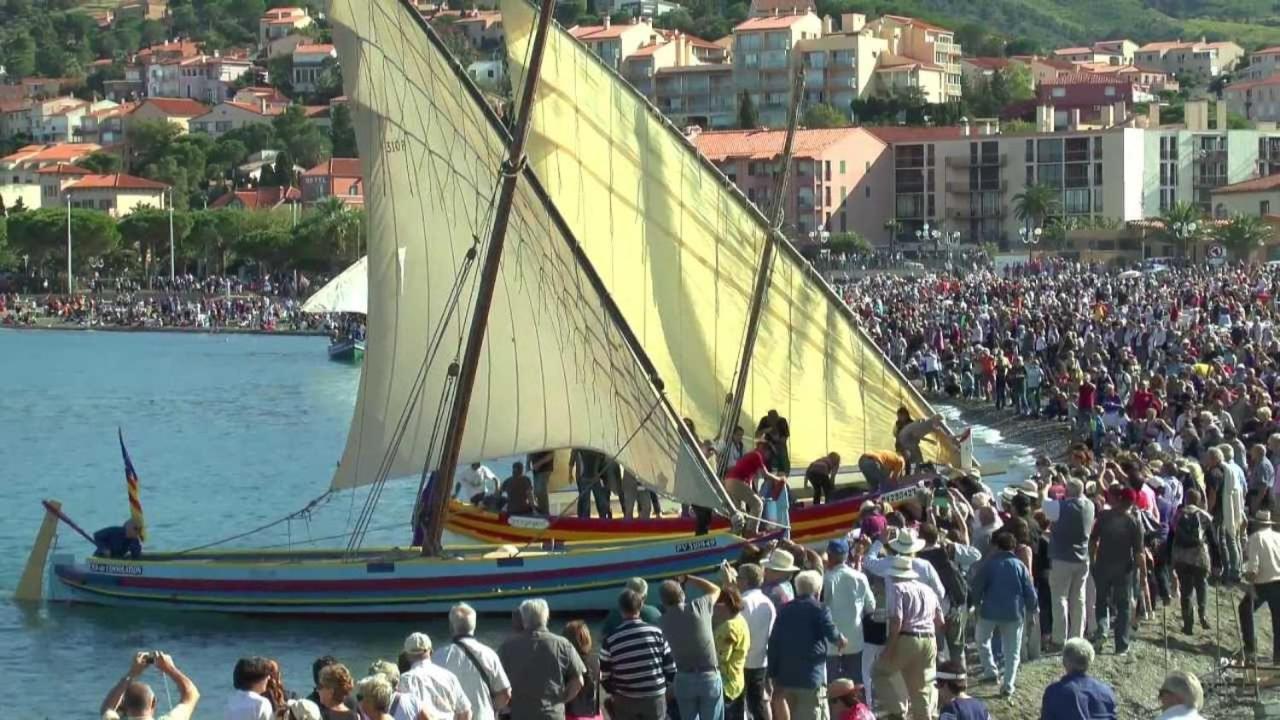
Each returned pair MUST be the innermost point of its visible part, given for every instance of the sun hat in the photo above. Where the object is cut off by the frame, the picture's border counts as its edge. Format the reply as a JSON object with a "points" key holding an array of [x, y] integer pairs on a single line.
{"points": [[781, 561], [1263, 517], [303, 709], [906, 543], [417, 644], [1028, 487], [900, 568]]}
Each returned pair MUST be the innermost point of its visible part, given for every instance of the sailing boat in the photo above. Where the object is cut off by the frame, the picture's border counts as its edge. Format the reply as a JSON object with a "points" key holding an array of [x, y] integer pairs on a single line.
{"points": [[347, 293], [678, 245], [521, 347]]}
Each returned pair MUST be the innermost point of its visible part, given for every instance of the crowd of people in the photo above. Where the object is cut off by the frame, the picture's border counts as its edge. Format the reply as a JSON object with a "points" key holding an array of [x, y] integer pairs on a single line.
{"points": [[154, 310]]}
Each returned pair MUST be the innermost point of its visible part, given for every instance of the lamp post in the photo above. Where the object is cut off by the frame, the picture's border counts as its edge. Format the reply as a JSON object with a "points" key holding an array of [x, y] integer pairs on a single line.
{"points": [[893, 227], [1030, 238], [1184, 231], [171, 260], [70, 286]]}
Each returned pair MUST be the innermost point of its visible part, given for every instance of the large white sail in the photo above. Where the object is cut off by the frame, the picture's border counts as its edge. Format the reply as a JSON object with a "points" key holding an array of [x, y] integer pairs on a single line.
{"points": [[346, 293], [678, 247], [557, 371]]}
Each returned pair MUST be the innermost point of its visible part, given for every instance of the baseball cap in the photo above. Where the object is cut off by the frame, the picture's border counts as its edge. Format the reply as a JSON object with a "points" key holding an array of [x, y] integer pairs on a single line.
{"points": [[417, 644], [838, 547]]}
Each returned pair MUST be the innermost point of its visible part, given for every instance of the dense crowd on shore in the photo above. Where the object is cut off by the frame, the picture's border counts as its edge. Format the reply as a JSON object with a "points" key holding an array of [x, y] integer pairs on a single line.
{"points": [[265, 304]]}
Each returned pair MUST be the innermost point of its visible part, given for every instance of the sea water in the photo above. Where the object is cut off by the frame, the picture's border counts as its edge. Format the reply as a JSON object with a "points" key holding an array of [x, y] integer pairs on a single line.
{"points": [[227, 433]]}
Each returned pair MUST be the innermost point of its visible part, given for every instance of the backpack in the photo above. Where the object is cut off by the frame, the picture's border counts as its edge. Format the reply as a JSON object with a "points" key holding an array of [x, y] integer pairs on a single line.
{"points": [[953, 579], [1186, 533]]}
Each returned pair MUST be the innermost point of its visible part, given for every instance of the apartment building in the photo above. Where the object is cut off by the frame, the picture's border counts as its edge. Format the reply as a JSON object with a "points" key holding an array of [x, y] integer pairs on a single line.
{"points": [[613, 43], [105, 127], [840, 66], [697, 95], [178, 111], [1262, 64], [762, 49], [54, 179], [21, 166], [840, 177], [55, 121], [482, 28], [232, 115], [1106, 52], [1154, 81], [281, 22], [772, 8], [1089, 99], [336, 177], [1207, 59], [933, 49], [1258, 196], [982, 68], [641, 67], [1255, 100], [116, 194], [309, 63], [210, 78]]}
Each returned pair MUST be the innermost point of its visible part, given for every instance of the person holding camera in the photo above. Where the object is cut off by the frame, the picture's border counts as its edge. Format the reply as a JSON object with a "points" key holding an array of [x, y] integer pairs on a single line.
{"points": [[130, 699]]}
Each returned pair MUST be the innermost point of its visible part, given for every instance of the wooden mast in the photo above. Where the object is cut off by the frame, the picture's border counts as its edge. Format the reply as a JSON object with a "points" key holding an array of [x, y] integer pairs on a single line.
{"points": [[441, 489], [776, 213]]}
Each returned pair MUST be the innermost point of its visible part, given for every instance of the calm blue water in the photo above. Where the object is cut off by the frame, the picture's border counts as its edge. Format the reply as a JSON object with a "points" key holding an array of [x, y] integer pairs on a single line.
{"points": [[227, 432]]}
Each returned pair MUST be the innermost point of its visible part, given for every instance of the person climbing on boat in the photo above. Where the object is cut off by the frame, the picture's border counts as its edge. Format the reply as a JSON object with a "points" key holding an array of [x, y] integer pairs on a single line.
{"points": [[541, 464], [881, 468], [911, 435], [821, 474], [774, 428], [119, 541], [738, 480]]}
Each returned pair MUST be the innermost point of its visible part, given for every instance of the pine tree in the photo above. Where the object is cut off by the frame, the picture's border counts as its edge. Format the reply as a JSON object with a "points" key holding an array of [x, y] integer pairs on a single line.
{"points": [[748, 118]]}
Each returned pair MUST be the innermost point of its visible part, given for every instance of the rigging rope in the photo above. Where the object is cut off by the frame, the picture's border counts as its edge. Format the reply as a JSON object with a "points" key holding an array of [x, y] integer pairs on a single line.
{"points": [[304, 512]]}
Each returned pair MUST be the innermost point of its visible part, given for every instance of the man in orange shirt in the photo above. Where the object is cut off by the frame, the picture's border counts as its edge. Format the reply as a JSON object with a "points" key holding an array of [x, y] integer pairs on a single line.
{"points": [[881, 468]]}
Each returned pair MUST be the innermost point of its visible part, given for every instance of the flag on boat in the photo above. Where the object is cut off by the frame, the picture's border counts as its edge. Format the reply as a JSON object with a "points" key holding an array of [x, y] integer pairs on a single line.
{"points": [[131, 483]]}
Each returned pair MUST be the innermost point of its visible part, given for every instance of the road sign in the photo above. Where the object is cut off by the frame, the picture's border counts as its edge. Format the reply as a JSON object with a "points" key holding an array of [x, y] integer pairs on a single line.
{"points": [[1217, 255]]}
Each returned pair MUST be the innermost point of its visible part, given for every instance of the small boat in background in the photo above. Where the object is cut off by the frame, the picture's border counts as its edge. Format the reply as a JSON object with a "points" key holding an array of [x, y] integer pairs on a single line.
{"points": [[348, 350]]}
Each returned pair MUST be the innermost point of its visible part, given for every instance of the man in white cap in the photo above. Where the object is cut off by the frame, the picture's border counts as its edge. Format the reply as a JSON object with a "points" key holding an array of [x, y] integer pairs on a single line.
{"points": [[1262, 572], [911, 650], [904, 543], [436, 690]]}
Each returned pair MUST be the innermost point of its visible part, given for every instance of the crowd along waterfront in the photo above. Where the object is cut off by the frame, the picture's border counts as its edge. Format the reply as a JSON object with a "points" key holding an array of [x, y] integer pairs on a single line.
{"points": [[228, 432]]}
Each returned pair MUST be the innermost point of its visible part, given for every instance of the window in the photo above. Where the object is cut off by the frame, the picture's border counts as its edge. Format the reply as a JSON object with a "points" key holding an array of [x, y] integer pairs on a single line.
{"points": [[1031, 150], [867, 189], [841, 167], [1109, 91], [827, 195], [1264, 207], [1059, 92], [1097, 173], [827, 170]]}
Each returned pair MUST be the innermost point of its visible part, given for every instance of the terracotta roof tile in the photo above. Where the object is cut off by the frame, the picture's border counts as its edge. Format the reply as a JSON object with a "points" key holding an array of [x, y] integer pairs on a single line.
{"points": [[902, 134], [62, 169], [777, 22], [904, 20], [317, 49], [1073, 51], [1259, 184], [117, 181], [263, 197], [59, 152], [600, 32], [336, 167], [987, 63], [176, 107], [763, 144]]}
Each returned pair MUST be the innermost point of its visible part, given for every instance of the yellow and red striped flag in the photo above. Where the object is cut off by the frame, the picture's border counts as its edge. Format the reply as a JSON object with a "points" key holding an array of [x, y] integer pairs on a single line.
{"points": [[131, 482]]}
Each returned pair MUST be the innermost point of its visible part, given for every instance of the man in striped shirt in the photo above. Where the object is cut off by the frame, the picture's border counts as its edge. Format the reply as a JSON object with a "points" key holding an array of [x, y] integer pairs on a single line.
{"points": [[636, 664]]}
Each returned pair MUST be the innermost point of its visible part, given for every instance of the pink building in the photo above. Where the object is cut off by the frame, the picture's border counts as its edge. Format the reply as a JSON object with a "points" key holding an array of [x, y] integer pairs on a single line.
{"points": [[842, 179]]}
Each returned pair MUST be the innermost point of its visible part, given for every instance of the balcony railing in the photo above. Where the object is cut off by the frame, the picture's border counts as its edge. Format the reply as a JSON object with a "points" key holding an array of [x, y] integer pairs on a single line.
{"points": [[964, 161], [971, 214], [964, 187]]}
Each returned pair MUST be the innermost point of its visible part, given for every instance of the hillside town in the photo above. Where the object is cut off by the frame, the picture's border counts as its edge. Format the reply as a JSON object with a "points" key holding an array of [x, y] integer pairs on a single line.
{"points": [[908, 143]]}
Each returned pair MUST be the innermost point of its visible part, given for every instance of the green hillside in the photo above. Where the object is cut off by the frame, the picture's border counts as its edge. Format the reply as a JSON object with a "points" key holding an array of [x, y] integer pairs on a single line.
{"points": [[1054, 23]]}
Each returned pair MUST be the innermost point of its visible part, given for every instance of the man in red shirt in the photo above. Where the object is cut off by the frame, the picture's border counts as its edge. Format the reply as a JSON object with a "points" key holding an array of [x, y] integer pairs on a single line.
{"points": [[737, 483]]}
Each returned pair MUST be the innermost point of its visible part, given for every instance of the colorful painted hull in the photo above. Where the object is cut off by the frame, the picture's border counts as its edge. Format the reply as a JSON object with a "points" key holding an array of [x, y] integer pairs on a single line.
{"points": [[350, 351], [810, 525], [381, 582]]}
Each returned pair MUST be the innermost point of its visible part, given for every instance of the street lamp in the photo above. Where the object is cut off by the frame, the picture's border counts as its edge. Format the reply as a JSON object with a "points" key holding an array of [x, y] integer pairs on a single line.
{"points": [[1030, 237], [70, 287], [171, 273], [1184, 231]]}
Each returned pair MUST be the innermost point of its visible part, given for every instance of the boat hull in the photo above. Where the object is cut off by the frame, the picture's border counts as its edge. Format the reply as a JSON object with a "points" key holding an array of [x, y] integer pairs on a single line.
{"points": [[390, 582], [348, 351], [810, 525]]}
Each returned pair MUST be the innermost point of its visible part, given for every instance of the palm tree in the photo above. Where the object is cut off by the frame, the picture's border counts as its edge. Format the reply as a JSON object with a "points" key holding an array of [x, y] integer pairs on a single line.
{"points": [[1242, 234], [1036, 204], [1183, 223], [339, 224]]}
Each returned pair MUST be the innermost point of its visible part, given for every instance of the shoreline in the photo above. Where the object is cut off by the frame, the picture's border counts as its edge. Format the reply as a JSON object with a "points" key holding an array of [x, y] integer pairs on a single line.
{"points": [[71, 327], [1040, 436]]}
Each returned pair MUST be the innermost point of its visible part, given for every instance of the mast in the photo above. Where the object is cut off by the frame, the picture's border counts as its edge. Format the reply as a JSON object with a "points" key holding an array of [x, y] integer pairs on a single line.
{"points": [[442, 488], [775, 216]]}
